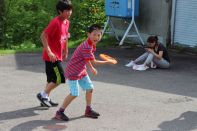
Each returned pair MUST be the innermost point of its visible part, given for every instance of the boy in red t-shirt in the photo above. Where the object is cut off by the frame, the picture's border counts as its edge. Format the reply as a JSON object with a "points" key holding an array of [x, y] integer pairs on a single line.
{"points": [[76, 73], [55, 42]]}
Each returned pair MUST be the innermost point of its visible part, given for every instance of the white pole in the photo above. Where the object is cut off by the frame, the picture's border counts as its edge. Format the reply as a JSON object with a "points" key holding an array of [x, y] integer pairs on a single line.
{"points": [[174, 2], [130, 25]]}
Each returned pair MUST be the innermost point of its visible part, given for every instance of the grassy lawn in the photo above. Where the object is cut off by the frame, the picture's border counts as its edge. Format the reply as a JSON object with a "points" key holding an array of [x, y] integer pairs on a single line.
{"points": [[31, 48]]}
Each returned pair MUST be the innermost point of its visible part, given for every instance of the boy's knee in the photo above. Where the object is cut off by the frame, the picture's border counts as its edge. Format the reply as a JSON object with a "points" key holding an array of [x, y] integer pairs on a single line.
{"points": [[74, 95], [90, 91]]}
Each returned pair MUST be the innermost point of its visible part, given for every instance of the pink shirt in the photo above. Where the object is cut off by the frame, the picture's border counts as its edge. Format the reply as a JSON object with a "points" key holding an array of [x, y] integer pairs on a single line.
{"points": [[57, 32], [76, 67]]}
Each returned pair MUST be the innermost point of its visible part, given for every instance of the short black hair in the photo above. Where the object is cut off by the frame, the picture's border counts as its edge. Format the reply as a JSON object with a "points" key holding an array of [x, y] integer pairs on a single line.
{"points": [[63, 5], [94, 27]]}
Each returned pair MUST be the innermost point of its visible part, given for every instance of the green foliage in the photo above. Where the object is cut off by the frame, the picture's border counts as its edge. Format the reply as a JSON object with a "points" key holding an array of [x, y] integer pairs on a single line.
{"points": [[2, 19], [24, 20], [84, 14]]}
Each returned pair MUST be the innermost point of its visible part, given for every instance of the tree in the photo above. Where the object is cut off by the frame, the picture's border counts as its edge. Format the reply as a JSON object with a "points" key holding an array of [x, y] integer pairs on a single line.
{"points": [[2, 21]]}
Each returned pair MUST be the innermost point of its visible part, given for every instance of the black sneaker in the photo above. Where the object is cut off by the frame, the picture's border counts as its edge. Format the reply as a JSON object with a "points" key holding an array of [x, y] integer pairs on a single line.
{"points": [[53, 104], [91, 113], [44, 101], [61, 116]]}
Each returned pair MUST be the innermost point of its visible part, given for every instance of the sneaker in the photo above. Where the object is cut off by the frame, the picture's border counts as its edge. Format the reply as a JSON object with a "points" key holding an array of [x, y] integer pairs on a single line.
{"points": [[130, 64], [61, 116], [153, 65], [43, 100], [140, 67], [92, 114], [53, 104]]}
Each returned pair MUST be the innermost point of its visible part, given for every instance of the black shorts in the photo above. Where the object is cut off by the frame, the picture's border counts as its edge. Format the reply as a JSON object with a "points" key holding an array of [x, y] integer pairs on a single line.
{"points": [[54, 72]]}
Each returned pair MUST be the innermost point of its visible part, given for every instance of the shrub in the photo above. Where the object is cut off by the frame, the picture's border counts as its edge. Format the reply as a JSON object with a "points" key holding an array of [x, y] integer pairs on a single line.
{"points": [[25, 19]]}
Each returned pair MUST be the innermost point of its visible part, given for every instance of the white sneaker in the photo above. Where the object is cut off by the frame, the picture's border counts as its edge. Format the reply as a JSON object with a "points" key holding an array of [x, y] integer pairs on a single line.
{"points": [[130, 64], [153, 65], [140, 67]]}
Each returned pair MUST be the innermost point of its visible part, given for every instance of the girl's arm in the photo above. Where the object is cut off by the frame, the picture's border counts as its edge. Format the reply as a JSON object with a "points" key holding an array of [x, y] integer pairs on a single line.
{"points": [[159, 56]]}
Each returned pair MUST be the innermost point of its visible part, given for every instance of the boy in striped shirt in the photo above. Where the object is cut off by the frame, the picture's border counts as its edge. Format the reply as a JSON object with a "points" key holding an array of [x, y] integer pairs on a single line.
{"points": [[76, 72]]}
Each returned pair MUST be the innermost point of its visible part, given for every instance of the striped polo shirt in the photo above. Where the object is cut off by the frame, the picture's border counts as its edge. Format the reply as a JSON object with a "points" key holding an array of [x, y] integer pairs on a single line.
{"points": [[76, 66]]}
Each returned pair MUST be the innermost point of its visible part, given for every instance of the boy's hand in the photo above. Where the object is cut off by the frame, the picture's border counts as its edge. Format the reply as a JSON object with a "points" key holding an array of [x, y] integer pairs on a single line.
{"points": [[111, 62], [94, 71], [52, 57]]}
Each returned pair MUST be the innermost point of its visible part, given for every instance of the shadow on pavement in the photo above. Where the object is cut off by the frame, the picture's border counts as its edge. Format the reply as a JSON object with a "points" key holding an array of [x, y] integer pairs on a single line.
{"points": [[51, 125], [20, 113], [180, 79], [185, 122]]}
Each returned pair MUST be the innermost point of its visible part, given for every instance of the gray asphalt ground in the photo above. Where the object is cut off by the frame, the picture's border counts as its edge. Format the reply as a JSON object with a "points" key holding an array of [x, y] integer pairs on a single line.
{"points": [[128, 100]]}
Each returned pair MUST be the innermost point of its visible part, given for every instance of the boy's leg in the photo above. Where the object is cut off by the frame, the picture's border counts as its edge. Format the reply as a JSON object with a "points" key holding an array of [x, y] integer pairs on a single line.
{"points": [[89, 97], [55, 76], [86, 84], [60, 113], [49, 87], [89, 112], [67, 101], [44, 95], [74, 92]]}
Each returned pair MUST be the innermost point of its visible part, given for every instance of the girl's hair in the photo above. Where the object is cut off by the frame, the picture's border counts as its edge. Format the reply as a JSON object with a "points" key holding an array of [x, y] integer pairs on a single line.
{"points": [[94, 27], [64, 5], [152, 39]]}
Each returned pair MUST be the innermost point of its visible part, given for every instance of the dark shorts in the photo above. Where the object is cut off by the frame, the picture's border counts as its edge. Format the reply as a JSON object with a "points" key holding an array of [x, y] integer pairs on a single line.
{"points": [[54, 72]]}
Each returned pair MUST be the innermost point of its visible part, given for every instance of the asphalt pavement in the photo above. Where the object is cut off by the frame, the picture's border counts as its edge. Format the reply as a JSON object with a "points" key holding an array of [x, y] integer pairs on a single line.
{"points": [[128, 100]]}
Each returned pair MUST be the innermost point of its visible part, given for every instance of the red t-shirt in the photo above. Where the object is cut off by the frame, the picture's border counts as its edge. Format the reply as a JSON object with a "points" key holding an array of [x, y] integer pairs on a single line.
{"points": [[76, 66], [57, 32]]}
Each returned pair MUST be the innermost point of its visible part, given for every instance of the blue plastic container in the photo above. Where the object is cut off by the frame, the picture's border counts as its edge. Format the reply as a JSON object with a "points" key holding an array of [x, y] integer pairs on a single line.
{"points": [[121, 8]]}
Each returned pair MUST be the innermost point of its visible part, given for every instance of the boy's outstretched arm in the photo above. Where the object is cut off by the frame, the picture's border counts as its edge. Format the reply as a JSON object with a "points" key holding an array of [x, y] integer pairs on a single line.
{"points": [[90, 64], [44, 39], [100, 62]]}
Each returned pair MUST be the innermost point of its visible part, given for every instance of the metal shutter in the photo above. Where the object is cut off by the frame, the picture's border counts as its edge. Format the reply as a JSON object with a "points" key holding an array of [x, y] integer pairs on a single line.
{"points": [[186, 22]]}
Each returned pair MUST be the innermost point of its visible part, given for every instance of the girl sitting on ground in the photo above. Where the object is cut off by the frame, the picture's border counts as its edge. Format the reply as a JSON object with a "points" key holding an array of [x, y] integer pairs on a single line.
{"points": [[156, 56]]}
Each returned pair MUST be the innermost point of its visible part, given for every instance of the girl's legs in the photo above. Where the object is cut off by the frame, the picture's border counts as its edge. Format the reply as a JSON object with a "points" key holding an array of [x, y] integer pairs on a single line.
{"points": [[161, 63], [149, 59], [141, 58]]}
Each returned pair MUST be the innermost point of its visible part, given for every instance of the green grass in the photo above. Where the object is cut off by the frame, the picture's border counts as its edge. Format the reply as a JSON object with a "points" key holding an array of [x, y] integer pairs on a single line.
{"points": [[14, 51], [29, 47]]}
